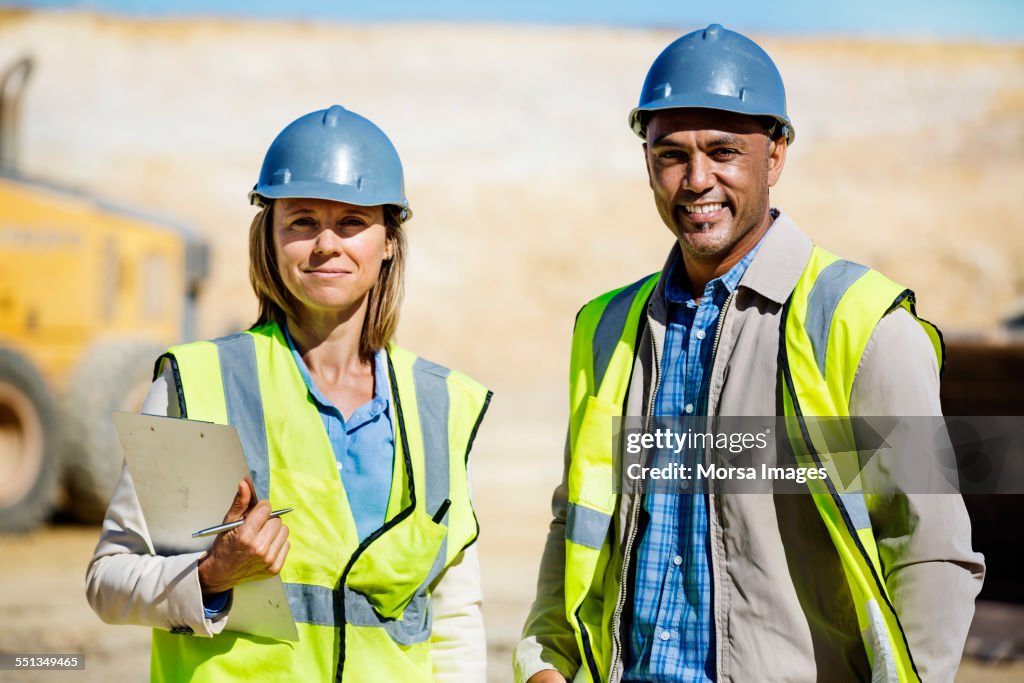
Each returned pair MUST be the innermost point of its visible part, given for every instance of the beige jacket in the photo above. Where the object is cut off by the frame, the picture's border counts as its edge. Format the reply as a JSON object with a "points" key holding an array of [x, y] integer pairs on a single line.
{"points": [[126, 583], [782, 609]]}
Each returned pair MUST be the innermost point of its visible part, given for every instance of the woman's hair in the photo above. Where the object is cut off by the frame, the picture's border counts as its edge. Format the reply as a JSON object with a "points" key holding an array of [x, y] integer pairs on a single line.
{"points": [[277, 303]]}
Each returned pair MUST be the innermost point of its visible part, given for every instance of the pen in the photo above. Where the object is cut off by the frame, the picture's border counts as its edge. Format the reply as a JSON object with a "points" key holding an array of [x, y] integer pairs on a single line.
{"points": [[210, 531], [439, 515]]}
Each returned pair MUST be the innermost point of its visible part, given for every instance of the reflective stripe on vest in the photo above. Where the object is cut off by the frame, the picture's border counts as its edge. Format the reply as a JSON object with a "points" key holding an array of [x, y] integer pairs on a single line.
{"points": [[377, 625], [826, 326]]}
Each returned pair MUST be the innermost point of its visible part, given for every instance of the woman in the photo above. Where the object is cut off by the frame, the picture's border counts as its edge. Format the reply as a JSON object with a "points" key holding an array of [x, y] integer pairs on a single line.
{"points": [[367, 442]]}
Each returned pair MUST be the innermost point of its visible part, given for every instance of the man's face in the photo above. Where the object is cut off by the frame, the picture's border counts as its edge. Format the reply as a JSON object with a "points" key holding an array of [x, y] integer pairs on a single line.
{"points": [[710, 172]]}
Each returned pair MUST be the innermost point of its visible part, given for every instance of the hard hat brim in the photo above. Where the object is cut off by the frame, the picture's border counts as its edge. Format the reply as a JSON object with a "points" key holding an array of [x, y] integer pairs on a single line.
{"points": [[331, 192], [705, 101]]}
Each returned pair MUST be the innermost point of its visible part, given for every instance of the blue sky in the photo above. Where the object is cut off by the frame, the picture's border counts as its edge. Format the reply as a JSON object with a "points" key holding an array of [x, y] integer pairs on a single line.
{"points": [[958, 19]]}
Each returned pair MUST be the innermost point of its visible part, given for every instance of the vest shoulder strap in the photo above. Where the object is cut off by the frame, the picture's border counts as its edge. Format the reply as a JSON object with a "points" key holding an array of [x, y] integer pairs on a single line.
{"points": [[829, 320]]}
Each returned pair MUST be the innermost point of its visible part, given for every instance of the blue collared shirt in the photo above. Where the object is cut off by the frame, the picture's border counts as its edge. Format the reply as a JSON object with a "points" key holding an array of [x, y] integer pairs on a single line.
{"points": [[364, 448], [672, 633], [364, 445]]}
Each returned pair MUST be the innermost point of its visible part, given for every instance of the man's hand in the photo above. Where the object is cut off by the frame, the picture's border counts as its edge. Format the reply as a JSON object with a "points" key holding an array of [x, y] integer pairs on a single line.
{"points": [[547, 676], [255, 550]]}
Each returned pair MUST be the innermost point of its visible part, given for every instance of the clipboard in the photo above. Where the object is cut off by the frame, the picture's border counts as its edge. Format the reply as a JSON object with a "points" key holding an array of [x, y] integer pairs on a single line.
{"points": [[186, 473]]}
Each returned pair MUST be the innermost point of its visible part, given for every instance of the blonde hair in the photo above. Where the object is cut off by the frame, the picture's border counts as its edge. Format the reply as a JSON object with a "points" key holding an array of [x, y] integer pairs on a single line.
{"points": [[277, 303]]}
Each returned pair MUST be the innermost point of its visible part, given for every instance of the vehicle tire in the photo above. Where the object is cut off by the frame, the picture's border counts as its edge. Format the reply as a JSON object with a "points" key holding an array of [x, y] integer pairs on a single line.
{"points": [[112, 376], [29, 465]]}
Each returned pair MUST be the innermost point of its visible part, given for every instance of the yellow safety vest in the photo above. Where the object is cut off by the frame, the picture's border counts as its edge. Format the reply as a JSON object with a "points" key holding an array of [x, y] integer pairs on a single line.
{"points": [[362, 610], [827, 323]]}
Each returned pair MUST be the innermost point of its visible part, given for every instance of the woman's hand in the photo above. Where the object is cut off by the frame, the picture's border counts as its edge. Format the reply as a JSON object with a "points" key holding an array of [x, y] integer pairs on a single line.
{"points": [[255, 550], [547, 676]]}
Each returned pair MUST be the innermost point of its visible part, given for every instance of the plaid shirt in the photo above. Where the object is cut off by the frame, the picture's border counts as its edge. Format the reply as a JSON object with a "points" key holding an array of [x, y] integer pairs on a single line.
{"points": [[672, 637]]}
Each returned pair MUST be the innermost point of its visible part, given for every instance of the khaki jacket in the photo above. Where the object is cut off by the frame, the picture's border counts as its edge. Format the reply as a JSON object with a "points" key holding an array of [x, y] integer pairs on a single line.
{"points": [[781, 607]]}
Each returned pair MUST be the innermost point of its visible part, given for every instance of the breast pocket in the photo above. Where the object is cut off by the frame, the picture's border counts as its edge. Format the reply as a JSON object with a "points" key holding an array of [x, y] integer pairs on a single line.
{"points": [[592, 471], [321, 532], [390, 571]]}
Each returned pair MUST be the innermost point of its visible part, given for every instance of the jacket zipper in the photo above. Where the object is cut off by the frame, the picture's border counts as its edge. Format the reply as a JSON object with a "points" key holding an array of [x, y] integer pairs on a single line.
{"points": [[635, 508], [718, 331], [634, 511], [714, 356]]}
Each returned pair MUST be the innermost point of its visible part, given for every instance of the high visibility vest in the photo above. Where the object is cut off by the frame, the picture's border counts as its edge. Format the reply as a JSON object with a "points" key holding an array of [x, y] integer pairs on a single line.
{"points": [[826, 323], [362, 609]]}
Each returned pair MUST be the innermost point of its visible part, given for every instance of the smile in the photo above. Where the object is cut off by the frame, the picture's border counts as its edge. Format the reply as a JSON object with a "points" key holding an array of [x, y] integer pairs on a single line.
{"points": [[703, 210], [327, 274]]}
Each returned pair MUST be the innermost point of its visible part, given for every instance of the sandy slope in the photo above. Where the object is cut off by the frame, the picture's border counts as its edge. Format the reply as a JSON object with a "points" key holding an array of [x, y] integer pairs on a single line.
{"points": [[530, 197], [521, 170]]}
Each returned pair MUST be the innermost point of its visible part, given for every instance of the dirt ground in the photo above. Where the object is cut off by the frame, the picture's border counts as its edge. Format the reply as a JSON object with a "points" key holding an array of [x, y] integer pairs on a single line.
{"points": [[530, 197]]}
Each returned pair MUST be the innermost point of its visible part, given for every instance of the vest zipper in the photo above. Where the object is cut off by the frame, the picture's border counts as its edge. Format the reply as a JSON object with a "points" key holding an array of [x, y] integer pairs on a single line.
{"points": [[633, 513]]}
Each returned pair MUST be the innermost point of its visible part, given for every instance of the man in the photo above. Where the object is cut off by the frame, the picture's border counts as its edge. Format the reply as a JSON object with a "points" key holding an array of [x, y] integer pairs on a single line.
{"points": [[747, 318]]}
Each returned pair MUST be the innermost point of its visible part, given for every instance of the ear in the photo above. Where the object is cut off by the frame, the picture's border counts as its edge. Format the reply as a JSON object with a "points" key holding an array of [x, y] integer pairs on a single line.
{"points": [[389, 250], [647, 165], [776, 159]]}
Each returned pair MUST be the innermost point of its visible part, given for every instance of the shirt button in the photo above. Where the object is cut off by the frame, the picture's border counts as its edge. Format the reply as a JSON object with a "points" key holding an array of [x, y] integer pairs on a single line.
{"points": [[689, 408], [700, 334], [665, 635], [677, 560]]}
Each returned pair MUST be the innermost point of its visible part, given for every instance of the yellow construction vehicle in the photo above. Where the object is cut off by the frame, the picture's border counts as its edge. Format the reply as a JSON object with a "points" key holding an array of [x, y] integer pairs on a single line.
{"points": [[90, 293]]}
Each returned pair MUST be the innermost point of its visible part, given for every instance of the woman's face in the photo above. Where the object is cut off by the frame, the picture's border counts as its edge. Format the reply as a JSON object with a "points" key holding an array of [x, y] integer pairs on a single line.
{"points": [[329, 254]]}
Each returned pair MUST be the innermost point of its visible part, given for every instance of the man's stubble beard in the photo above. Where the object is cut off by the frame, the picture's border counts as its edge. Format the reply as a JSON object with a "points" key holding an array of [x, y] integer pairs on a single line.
{"points": [[704, 251]]}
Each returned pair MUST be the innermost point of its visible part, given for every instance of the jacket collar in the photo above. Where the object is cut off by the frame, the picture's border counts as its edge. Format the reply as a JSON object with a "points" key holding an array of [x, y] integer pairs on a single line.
{"points": [[777, 267], [773, 273]]}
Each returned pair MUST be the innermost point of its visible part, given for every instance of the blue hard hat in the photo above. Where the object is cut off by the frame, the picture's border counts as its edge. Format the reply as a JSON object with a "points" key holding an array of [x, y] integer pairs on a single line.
{"points": [[714, 68], [333, 154]]}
